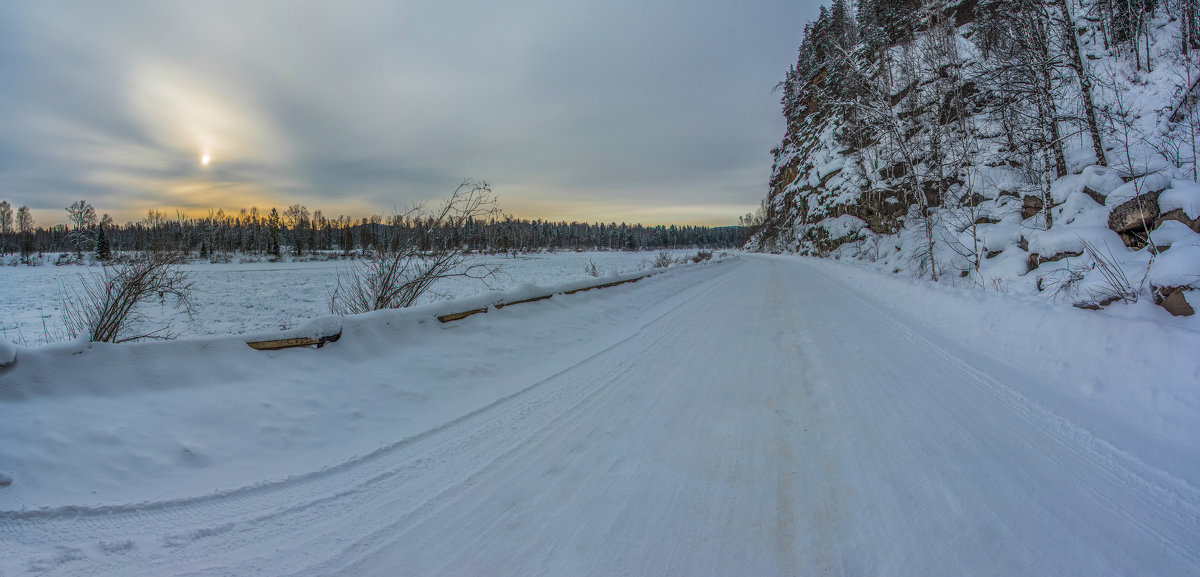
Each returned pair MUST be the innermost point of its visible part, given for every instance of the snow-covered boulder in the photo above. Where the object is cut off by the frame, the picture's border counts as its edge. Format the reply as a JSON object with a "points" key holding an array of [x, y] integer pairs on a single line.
{"points": [[8, 354]]}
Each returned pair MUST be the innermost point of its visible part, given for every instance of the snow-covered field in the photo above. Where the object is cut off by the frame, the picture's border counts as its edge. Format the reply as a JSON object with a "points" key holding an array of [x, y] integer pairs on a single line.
{"points": [[756, 416], [246, 297]]}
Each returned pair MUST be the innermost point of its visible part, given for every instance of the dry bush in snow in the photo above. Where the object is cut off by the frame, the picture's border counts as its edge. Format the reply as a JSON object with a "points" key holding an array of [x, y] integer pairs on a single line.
{"points": [[1116, 285], [105, 306], [403, 268]]}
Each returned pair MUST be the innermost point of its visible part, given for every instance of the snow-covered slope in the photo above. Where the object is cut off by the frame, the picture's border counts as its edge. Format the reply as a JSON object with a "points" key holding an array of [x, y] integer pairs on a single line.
{"points": [[764, 415], [923, 163]]}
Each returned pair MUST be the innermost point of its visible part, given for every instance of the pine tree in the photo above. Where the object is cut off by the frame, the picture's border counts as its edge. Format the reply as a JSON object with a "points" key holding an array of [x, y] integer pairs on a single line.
{"points": [[273, 227], [103, 250]]}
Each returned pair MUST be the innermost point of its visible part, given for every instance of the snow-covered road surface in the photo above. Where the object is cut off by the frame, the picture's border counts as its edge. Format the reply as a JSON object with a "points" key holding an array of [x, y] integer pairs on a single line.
{"points": [[759, 416]]}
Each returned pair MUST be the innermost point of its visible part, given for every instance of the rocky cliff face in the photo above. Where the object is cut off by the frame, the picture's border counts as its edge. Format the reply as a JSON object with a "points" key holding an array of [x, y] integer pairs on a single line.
{"points": [[963, 144]]}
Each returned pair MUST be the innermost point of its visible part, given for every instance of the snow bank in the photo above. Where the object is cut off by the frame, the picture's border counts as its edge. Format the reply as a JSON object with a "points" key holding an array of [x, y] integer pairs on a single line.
{"points": [[1153, 182], [842, 226], [1179, 266], [100, 424], [1100, 179], [1183, 195], [8, 353], [1173, 232]]}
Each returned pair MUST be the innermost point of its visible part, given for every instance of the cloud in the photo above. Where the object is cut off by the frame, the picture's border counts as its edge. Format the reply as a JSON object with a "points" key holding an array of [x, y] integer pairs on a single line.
{"points": [[659, 112]]}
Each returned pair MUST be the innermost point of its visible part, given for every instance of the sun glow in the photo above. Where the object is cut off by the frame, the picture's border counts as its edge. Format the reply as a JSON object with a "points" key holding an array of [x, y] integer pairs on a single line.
{"points": [[205, 159]]}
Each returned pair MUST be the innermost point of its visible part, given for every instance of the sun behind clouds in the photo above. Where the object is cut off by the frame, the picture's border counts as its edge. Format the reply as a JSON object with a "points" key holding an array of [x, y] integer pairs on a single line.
{"points": [[205, 159]]}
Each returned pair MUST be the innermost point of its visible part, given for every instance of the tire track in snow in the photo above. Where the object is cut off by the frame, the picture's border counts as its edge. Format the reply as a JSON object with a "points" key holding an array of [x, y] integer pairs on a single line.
{"points": [[912, 462], [605, 493], [772, 423], [1161, 507], [1171, 497], [194, 530]]}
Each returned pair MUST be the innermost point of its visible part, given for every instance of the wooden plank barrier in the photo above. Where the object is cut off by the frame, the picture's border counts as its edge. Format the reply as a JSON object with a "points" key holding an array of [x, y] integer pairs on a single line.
{"points": [[465, 314], [278, 344], [523, 301], [600, 286], [462, 315]]}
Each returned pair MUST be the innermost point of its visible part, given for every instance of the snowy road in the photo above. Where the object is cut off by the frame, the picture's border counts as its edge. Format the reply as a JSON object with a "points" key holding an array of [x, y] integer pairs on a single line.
{"points": [[761, 417]]}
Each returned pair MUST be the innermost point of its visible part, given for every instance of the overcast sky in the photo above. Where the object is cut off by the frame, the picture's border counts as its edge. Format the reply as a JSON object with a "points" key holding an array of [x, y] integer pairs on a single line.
{"points": [[653, 112]]}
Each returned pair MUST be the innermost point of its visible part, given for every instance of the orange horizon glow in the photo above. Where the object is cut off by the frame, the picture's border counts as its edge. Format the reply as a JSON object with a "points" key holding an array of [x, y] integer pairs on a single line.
{"points": [[199, 195], [701, 215]]}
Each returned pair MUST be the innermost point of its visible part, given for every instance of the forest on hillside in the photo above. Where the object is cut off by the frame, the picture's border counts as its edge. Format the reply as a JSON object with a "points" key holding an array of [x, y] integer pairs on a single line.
{"points": [[982, 140]]}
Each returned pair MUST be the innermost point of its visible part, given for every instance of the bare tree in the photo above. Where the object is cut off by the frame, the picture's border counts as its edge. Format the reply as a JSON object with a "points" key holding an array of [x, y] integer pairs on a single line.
{"points": [[296, 222], [1122, 119], [963, 214], [83, 218], [1190, 26], [911, 101], [1075, 58], [105, 306], [82, 214], [1184, 115], [25, 232], [1022, 73], [6, 225], [402, 269]]}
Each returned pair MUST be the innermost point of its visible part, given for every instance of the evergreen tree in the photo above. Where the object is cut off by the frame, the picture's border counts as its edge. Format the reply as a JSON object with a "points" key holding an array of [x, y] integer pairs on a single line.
{"points": [[103, 250], [273, 228]]}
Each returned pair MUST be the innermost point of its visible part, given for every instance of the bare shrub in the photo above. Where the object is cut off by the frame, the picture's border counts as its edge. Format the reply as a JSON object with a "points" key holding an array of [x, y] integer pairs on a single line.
{"points": [[399, 271], [1116, 285], [105, 306], [663, 260], [591, 269], [1064, 283]]}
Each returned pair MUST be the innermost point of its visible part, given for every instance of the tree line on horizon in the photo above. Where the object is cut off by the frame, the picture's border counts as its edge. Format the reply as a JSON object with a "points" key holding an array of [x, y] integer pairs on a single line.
{"points": [[296, 231]]}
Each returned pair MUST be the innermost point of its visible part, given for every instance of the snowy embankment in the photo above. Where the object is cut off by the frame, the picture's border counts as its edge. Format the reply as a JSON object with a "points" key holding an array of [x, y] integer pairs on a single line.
{"points": [[253, 296], [1116, 219], [104, 424], [763, 416]]}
